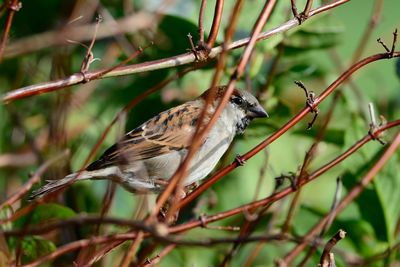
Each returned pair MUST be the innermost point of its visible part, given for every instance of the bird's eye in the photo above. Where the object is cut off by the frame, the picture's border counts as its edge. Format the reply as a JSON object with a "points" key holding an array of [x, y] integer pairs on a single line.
{"points": [[238, 100]]}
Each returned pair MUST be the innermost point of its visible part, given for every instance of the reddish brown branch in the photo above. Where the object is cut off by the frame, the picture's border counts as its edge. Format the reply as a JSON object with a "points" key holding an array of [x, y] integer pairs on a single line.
{"points": [[216, 22], [190, 225], [12, 6], [354, 193], [151, 65], [157, 259], [197, 139], [201, 20], [204, 186], [132, 250], [279, 195], [309, 156], [128, 107]]}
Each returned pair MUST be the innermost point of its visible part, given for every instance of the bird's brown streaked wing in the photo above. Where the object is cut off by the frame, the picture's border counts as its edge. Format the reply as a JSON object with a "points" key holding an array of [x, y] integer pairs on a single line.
{"points": [[154, 138]]}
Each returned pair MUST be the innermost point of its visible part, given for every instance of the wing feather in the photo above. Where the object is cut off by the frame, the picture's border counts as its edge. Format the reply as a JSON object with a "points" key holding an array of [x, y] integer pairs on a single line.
{"points": [[169, 131]]}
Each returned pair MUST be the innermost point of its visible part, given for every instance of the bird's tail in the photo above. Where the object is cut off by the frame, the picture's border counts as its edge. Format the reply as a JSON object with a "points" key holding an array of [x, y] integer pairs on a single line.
{"points": [[54, 185]]}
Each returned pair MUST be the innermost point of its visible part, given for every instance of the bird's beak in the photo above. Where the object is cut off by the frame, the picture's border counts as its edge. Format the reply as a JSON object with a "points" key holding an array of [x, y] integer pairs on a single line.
{"points": [[257, 112]]}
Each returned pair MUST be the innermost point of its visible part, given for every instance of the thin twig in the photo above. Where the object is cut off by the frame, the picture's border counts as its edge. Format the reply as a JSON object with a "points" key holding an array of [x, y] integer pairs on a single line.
{"points": [[89, 57], [157, 259], [13, 6], [326, 260], [201, 20]]}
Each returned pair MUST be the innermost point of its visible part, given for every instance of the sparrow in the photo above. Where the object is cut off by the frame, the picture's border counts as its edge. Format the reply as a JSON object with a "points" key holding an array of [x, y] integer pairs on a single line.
{"points": [[147, 157]]}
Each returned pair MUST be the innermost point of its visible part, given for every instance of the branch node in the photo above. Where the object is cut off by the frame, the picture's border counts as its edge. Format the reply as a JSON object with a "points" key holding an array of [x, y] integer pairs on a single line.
{"points": [[301, 17], [291, 177], [390, 52], [203, 222], [310, 100], [373, 126], [200, 51], [85, 78], [250, 217], [240, 160], [14, 7]]}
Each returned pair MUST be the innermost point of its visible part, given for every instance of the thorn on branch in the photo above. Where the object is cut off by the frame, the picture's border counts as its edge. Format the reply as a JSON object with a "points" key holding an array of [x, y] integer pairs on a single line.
{"points": [[200, 51], [310, 100], [373, 126], [203, 222], [250, 217], [390, 52], [240, 160], [291, 177]]}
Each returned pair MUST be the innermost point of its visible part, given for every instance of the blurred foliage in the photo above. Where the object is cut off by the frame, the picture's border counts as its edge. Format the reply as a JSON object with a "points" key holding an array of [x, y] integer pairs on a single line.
{"points": [[35, 129]]}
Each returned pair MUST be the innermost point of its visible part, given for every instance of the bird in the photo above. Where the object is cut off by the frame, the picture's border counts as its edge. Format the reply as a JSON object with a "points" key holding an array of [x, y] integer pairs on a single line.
{"points": [[148, 156]]}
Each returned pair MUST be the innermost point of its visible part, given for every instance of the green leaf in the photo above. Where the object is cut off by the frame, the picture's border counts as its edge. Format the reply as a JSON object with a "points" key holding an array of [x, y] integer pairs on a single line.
{"points": [[334, 136], [360, 234], [370, 203], [46, 212], [363, 156], [387, 184], [321, 33], [172, 36], [34, 247]]}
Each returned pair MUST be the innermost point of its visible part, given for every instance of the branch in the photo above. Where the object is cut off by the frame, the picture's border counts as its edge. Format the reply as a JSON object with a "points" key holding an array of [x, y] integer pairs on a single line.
{"points": [[204, 186], [354, 193], [219, 4], [200, 135], [193, 224], [12, 6], [279, 195], [174, 61]]}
